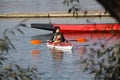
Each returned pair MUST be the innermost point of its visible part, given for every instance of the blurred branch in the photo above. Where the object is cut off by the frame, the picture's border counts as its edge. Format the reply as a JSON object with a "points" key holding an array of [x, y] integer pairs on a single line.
{"points": [[13, 71], [74, 6], [113, 6], [5, 42]]}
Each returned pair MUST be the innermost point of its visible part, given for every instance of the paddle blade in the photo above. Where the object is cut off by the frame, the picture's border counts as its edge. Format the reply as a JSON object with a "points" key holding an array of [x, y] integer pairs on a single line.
{"points": [[81, 40], [36, 42]]}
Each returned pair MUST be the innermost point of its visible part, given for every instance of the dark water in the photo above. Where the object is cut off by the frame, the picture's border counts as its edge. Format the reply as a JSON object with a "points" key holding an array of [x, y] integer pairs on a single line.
{"points": [[53, 65], [11, 6]]}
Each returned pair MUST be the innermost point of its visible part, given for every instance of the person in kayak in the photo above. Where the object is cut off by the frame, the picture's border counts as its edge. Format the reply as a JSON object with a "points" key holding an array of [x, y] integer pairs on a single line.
{"points": [[58, 38], [56, 30]]}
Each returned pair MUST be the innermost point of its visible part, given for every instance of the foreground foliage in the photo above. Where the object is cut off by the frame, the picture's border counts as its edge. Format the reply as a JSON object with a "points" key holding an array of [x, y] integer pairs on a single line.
{"points": [[13, 71], [104, 63]]}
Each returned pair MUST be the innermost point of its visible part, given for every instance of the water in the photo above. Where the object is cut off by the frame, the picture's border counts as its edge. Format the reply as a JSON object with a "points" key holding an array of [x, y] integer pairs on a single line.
{"points": [[52, 65], [11, 6]]}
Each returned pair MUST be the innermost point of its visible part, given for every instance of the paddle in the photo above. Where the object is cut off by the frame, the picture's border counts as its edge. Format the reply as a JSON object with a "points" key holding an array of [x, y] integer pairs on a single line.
{"points": [[37, 42], [80, 40]]}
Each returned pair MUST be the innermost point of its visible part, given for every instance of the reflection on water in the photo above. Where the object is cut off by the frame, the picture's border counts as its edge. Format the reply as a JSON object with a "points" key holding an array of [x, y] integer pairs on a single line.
{"points": [[95, 39], [82, 50], [65, 65], [55, 64], [35, 54], [57, 55]]}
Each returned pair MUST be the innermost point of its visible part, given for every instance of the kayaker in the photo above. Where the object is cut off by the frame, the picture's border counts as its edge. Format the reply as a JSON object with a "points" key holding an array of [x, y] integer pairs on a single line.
{"points": [[58, 38], [55, 31]]}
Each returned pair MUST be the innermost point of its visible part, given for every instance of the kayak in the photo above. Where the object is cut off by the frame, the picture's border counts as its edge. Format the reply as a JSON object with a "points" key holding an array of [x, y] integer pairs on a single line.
{"points": [[80, 27], [60, 46]]}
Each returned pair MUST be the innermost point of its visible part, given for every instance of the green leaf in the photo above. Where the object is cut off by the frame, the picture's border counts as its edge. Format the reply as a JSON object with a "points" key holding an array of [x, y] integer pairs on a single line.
{"points": [[12, 45], [17, 66], [85, 67], [12, 32], [5, 31], [20, 31], [23, 25]]}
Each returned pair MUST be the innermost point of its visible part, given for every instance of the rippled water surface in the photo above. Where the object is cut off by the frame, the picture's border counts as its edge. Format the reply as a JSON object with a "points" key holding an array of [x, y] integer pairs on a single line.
{"points": [[52, 64]]}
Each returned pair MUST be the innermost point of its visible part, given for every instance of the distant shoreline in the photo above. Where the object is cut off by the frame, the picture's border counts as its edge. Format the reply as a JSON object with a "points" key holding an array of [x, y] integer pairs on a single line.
{"points": [[53, 15]]}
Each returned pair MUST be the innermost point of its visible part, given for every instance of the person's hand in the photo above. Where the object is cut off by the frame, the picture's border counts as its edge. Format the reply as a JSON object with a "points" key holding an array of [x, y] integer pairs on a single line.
{"points": [[66, 41], [49, 41]]}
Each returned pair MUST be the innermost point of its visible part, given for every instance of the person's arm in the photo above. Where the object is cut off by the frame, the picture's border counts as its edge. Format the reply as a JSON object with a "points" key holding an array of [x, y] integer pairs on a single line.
{"points": [[52, 37], [63, 38]]}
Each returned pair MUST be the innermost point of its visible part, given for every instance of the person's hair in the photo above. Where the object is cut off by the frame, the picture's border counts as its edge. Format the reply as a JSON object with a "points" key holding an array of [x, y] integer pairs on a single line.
{"points": [[55, 28]]}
